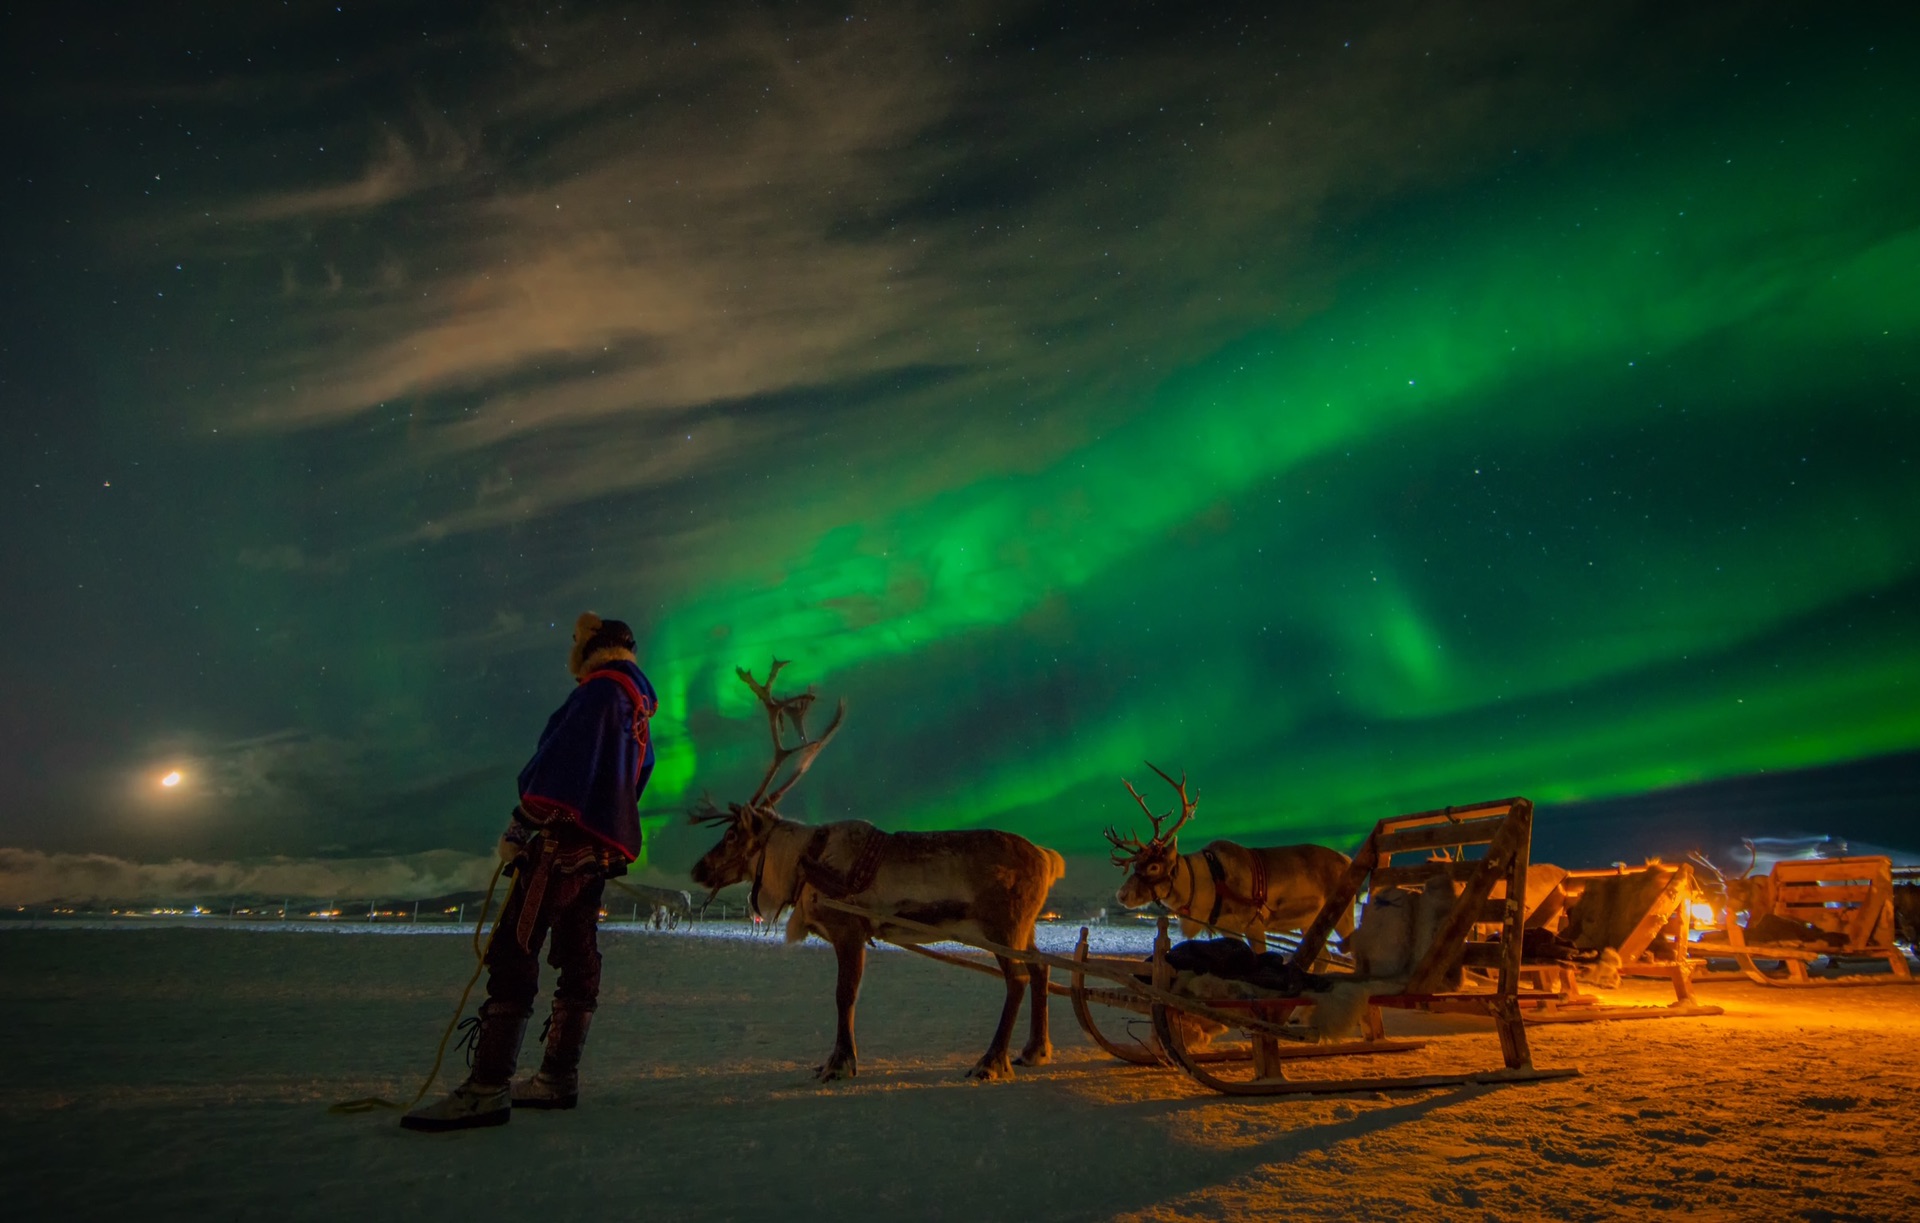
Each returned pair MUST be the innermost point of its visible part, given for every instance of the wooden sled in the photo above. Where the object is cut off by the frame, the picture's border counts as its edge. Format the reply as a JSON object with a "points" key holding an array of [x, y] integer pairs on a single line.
{"points": [[1851, 897], [1154, 1052], [1570, 1004], [1505, 828]]}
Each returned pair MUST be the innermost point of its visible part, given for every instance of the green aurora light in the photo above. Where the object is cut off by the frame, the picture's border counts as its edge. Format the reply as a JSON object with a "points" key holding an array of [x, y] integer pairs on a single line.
{"points": [[1605, 489]]}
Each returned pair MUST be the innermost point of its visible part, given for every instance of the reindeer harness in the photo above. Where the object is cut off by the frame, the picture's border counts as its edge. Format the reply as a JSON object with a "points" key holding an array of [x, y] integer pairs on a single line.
{"points": [[1217, 875], [858, 878], [866, 865], [813, 846], [1257, 866]]}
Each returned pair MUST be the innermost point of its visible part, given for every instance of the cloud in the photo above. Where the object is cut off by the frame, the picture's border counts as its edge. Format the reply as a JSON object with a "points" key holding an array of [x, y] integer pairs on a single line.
{"points": [[29, 876], [855, 199], [394, 171], [288, 770]]}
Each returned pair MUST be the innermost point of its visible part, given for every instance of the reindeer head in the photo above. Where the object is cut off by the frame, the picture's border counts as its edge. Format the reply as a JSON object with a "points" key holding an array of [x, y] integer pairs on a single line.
{"points": [[751, 824], [1149, 864], [733, 859], [1743, 894]]}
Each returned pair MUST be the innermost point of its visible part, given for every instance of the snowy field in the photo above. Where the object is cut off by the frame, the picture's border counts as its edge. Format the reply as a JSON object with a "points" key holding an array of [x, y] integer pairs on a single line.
{"points": [[1134, 938], [171, 1073]]}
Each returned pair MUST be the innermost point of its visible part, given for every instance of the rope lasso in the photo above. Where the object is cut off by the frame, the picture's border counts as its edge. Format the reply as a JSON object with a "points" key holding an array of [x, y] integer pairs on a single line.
{"points": [[368, 1104]]}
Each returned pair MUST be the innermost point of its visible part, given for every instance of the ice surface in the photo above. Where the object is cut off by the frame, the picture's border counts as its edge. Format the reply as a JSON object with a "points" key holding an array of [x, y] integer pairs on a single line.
{"points": [[185, 1074]]}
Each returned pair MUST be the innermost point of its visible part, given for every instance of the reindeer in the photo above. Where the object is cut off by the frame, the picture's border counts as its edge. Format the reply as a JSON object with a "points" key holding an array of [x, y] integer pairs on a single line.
{"points": [[666, 907], [1742, 894], [976, 883], [1225, 886]]}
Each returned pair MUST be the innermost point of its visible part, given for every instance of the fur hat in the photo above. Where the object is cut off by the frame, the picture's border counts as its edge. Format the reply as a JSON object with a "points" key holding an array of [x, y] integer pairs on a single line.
{"points": [[597, 642]]}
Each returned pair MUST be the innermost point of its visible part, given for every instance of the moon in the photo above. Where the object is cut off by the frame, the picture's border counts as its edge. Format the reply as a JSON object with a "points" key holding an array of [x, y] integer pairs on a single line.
{"points": [[171, 779]]}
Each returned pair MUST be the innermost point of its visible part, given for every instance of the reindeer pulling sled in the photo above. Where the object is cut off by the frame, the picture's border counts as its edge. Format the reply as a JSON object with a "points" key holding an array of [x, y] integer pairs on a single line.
{"points": [[1426, 976], [850, 883]]}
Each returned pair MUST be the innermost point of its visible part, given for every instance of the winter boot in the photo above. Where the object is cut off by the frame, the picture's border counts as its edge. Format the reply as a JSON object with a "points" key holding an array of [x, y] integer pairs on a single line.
{"points": [[468, 1106], [557, 1085], [484, 1099]]}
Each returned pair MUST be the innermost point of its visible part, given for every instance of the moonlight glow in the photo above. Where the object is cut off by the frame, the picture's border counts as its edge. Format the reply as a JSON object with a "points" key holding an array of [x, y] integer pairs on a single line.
{"points": [[171, 779]]}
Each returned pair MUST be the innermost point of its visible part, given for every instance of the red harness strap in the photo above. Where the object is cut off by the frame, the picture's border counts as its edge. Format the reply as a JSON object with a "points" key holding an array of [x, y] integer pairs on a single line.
{"points": [[1257, 861], [1256, 869]]}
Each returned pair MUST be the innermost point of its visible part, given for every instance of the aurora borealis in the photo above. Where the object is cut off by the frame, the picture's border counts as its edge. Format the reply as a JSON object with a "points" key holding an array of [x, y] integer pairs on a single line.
{"points": [[1361, 409]]}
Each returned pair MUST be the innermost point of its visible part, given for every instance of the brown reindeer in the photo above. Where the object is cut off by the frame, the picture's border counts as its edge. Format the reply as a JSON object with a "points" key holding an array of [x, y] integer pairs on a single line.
{"points": [[1225, 886], [976, 882]]}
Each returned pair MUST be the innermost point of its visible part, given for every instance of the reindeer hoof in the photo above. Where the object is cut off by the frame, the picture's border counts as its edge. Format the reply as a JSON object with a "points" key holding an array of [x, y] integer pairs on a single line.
{"points": [[985, 1071], [835, 1068], [1034, 1057]]}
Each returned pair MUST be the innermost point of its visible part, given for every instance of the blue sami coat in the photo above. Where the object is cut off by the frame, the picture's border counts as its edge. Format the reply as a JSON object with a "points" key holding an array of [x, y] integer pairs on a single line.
{"points": [[595, 757]]}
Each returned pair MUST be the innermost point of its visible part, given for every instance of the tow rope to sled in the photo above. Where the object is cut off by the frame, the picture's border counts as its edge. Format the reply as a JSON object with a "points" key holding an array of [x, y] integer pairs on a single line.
{"points": [[369, 1104]]}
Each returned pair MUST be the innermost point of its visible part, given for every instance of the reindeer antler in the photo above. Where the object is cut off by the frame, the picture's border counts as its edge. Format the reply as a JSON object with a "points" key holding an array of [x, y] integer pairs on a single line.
{"points": [[708, 812], [1128, 848], [1186, 809], [1703, 862], [794, 710]]}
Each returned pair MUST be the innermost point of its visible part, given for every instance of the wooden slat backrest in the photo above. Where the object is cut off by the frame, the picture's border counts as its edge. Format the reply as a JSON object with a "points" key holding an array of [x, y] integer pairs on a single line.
{"points": [[1504, 826], [1506, 859], [1439, 835], [1414, 876], [1849, 896], [1674, 896], [1814, 870]]}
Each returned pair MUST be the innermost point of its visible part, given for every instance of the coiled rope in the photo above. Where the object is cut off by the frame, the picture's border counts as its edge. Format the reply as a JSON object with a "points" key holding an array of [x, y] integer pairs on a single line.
{"points": [[368, 1104]]}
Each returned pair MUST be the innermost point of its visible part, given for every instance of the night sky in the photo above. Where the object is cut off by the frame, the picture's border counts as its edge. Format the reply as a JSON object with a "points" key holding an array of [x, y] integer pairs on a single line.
{"points": [[1363, 408]]}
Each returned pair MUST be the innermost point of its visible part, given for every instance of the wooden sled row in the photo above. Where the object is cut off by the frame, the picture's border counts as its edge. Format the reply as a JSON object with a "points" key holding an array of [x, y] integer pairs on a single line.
{"points": [[1851, 897]]}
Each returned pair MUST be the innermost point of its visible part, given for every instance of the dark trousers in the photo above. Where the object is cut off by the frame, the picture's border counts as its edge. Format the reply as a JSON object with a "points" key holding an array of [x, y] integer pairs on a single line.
{"points": [[567, 907]]}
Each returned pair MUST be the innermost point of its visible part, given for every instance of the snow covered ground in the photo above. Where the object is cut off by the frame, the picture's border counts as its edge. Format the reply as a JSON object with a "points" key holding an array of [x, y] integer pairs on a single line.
{"points": [[163, 1073], [1133, 938]]}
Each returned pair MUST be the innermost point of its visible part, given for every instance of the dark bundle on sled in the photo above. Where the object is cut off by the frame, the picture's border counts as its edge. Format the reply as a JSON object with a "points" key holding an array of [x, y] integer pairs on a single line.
{"points": [[1235, 961], [1542, 946], [1775, 930]]}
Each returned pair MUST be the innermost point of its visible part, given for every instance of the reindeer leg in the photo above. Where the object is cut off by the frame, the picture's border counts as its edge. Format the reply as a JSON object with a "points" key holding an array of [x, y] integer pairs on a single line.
{"points": [[851, 952], [993, 1063], [1039, 1050]]}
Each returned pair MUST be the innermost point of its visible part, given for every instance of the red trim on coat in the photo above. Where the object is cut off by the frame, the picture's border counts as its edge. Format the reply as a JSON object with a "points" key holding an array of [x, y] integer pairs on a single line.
{"points": [[643, 708]]}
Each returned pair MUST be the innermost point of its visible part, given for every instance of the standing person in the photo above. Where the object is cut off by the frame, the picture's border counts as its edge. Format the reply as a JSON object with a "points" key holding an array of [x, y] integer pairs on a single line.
{"points": [[576, 825]]}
